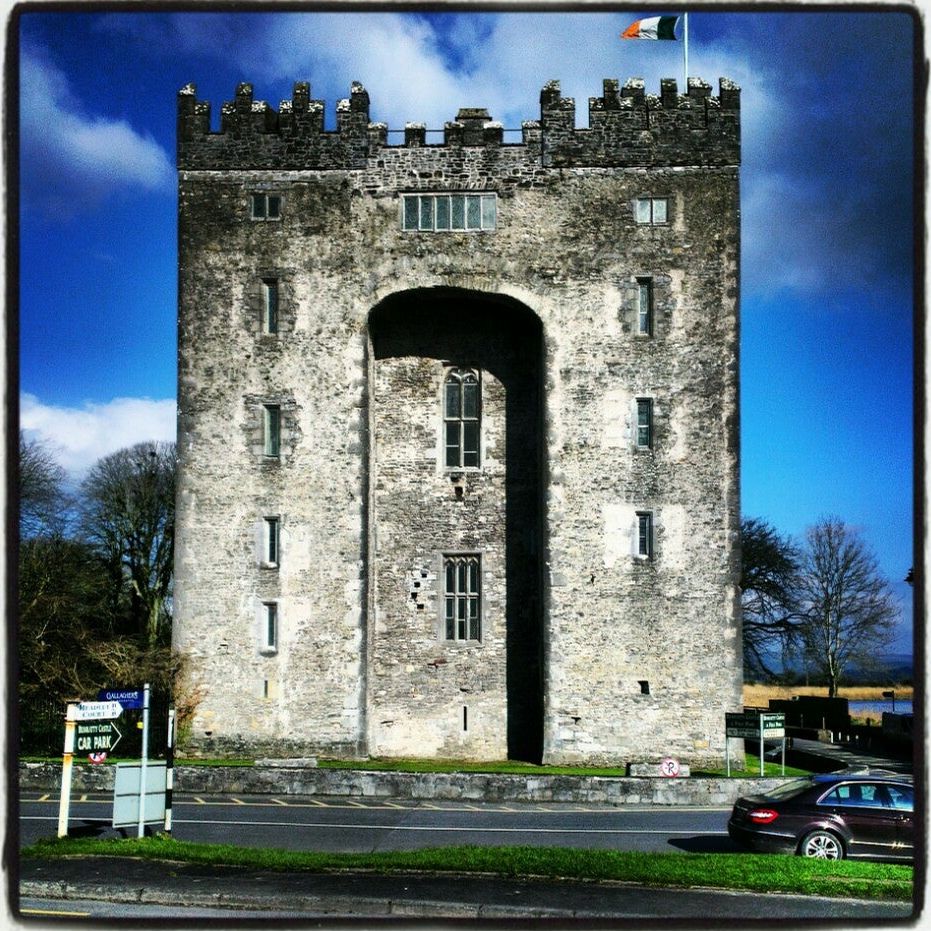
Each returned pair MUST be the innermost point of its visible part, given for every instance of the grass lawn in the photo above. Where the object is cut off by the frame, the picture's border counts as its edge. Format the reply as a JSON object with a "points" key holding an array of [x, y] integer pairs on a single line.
{"points": [[743, 871]]}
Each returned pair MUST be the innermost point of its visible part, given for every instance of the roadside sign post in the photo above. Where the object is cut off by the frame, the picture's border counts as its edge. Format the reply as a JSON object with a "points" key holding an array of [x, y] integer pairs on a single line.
{"points": [[169, 768], [140, 832], [67, 762], [755, 725]]}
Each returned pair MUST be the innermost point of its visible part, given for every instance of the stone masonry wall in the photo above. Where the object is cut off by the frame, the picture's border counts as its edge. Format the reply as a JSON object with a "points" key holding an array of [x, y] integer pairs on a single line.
{"points": [[639, 657]]}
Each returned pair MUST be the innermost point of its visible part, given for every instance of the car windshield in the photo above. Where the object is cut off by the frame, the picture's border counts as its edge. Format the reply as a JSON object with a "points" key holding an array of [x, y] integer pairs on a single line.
{"points": [[790, 789]]}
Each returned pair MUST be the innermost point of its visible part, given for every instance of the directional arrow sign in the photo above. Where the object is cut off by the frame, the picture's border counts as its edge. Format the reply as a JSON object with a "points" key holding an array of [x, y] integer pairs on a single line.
{"points": [[97, 736], [97, 710]]}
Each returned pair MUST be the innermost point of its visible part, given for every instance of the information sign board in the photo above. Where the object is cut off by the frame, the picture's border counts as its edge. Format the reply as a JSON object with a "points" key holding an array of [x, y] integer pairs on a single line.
{"points": [[127, 796], [128, 698]]}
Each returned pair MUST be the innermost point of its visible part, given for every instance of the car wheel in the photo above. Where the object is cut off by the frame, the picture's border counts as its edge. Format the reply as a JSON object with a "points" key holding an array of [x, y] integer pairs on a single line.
{"points": [[822, 844]]}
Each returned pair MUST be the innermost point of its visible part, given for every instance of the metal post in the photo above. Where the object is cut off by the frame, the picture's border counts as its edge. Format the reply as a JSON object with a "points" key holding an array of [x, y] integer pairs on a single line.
{"points": [[783, 754], [67, 761], [145, 758], [169, 768], [761, 745]]}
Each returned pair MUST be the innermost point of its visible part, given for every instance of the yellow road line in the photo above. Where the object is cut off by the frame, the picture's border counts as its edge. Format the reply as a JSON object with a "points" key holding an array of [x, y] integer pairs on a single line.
{"points": [[278, 801], [83, 798], [238, 801], [43, 798], [352, 804], [48, 911], [199, 800]]}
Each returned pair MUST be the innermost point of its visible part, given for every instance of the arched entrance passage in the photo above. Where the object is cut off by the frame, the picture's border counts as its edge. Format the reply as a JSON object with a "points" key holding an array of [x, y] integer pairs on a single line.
{"points": [[456, 457]]}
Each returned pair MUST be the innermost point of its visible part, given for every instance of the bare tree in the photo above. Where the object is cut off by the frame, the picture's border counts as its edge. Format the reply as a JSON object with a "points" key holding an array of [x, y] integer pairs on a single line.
{"points": [[43, 502], [128, 516], [848, 606], [769, 582]]}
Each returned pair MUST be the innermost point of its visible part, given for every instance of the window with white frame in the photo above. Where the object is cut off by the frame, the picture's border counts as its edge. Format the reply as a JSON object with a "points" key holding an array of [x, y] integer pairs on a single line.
{"points": [[643, 542], [271, 423], [272, 541], [266, 206], [270, 626], [437, 213], [462, 597], [644, 431], [462, 418], [644, 306], [651, 211], [270, 305]]}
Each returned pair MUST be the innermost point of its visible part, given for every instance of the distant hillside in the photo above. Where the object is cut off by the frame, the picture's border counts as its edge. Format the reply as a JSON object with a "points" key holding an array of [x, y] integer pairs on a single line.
{"points": [[894, 667]]}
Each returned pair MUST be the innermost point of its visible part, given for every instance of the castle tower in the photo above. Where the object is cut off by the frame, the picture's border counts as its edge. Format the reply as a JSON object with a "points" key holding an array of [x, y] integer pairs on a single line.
{"points": [[458, 429]]}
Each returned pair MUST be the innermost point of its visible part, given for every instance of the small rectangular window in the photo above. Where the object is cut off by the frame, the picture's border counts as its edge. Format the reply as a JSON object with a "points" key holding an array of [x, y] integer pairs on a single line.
{"points": [[462, 597], [272, 429], [644, 543], [645, 306], [644, 423], [270, 305], [272, 539], [266, 206], [651, 211], [270, 625]]}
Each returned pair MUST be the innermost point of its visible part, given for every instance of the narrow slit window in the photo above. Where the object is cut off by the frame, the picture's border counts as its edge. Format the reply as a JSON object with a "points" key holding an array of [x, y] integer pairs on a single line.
{"points": [[645, 306], [272, 540], [270, 305], [462, 419], [270, 625], [462, 597], [272, 430], [644, 541], [644, 423]]}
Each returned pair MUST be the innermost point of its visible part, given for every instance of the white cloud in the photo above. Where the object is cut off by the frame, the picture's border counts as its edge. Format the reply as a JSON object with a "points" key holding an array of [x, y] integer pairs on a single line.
{"points": [[71, 158], [79, 436]]}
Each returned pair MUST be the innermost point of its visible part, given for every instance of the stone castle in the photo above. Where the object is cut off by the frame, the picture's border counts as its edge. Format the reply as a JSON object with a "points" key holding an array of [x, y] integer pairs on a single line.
{"points": [[458, 429]]}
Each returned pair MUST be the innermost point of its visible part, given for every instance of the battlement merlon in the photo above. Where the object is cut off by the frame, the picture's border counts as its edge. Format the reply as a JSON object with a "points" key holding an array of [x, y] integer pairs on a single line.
{"points": [[627, 128]]}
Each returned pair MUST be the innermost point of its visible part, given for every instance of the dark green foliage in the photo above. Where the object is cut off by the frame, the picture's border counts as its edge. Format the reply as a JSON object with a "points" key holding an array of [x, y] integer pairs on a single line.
{"points": [[127, 516]]}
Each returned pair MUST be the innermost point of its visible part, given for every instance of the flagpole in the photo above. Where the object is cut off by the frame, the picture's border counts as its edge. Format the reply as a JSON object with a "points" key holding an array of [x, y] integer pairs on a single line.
{"points": [[685, 51]]}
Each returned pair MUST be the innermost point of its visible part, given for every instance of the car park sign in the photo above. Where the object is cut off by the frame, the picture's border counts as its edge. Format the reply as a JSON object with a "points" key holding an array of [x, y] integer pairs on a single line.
{"points": [[96, 736]]}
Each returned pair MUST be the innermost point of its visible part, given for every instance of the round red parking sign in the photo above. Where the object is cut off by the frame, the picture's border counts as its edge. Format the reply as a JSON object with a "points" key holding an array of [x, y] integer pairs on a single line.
{"points": [[669, 767]]}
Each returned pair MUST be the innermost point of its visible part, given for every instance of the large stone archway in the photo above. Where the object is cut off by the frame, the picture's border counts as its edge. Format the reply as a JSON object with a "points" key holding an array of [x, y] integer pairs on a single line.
{"points": [[455, 633]]}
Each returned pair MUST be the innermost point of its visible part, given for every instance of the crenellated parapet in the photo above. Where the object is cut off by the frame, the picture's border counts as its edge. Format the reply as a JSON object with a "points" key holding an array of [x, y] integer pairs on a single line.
{"points": [[626, 128]]}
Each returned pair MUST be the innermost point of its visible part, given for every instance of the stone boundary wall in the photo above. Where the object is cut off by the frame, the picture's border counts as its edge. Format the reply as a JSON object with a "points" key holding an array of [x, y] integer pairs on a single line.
{"points": [[487, 787]]}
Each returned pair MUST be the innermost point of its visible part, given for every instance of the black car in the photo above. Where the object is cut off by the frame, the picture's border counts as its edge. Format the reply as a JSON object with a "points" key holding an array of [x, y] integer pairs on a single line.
{"points": [[831, 816]]}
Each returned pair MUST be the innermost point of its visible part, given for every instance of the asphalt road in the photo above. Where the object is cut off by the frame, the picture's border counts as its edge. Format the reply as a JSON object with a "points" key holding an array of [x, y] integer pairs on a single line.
{"points": [[351, 825]]}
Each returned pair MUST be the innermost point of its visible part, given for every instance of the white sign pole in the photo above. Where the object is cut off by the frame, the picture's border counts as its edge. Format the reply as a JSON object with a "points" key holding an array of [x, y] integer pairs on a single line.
{"points": [[145, 757], [67, 761], [761, 745]]}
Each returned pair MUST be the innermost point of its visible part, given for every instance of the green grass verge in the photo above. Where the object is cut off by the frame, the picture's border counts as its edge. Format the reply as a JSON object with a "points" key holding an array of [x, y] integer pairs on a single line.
{"points": [[742, 871], [510, 766], [462, 766]]}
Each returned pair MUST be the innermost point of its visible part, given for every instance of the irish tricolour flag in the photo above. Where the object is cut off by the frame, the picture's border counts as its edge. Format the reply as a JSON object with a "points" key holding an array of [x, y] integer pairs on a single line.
{"points": [[653, 27]]}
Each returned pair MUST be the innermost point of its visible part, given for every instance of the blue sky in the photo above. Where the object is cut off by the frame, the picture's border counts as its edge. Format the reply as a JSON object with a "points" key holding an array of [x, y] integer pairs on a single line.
{"points": [[826, 196]]}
